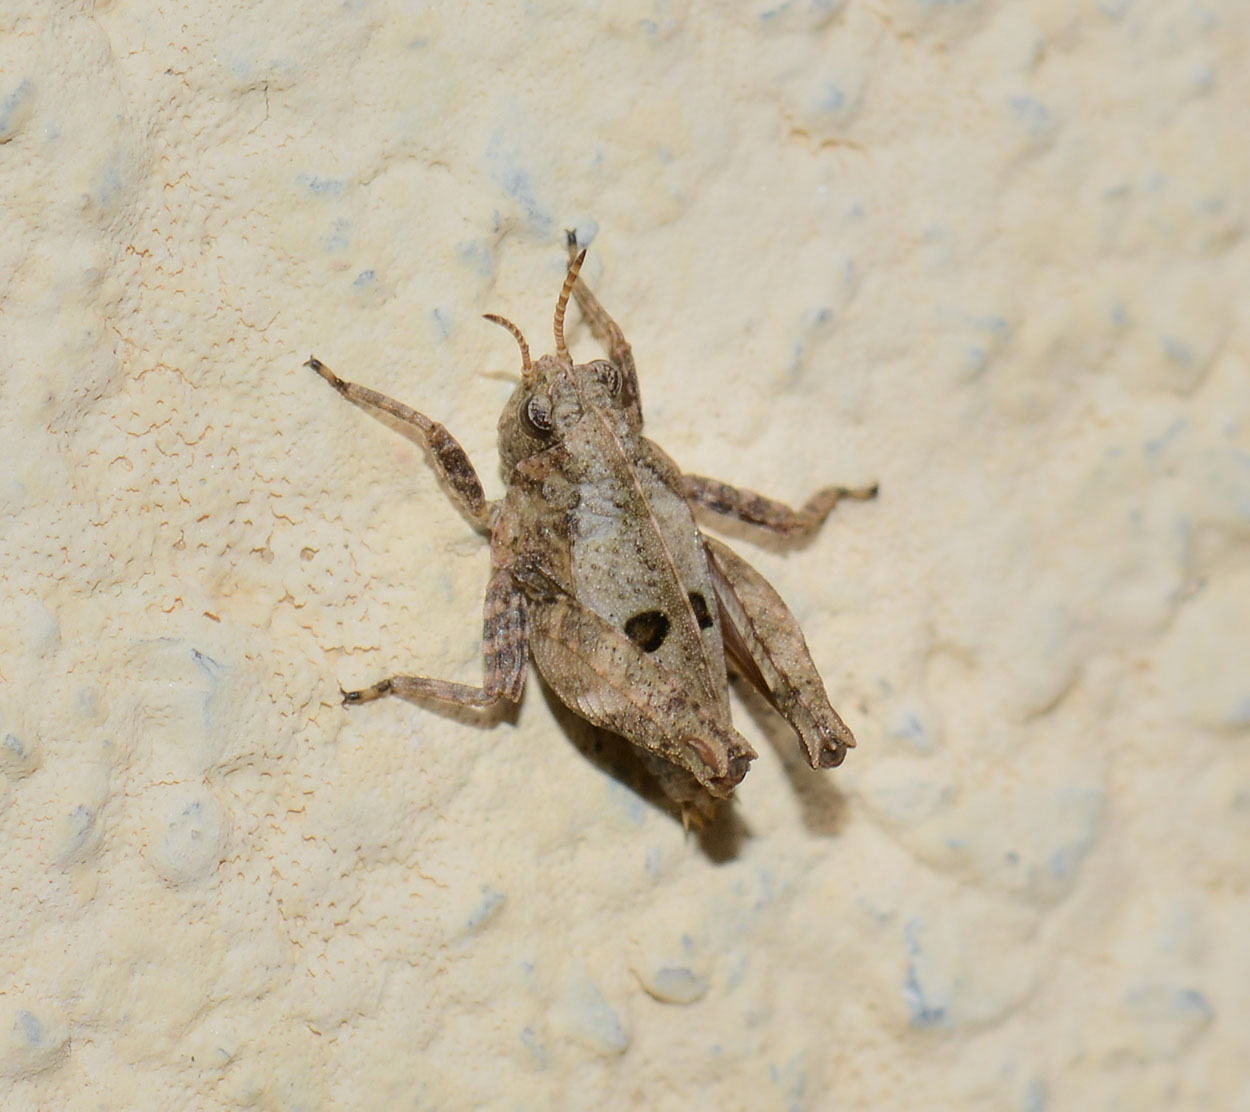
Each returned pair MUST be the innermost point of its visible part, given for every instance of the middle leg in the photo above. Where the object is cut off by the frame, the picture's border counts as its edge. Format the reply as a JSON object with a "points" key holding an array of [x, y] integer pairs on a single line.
{"points": [[755, 509], [505, 638]]}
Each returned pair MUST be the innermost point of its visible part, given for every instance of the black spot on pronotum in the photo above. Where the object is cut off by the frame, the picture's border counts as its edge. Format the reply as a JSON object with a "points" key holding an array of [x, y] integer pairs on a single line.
{"points": [[701, 613], [647, 630]]}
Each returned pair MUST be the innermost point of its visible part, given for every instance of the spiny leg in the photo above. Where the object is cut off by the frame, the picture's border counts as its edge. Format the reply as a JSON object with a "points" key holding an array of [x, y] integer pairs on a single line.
{"points": [[763, 636], [505, 650], [755, 509], [450, 460]]}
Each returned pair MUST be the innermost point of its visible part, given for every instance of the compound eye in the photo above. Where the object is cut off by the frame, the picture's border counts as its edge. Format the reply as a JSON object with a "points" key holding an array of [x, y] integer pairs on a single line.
{"points": [[609, 375], [538, 415]]}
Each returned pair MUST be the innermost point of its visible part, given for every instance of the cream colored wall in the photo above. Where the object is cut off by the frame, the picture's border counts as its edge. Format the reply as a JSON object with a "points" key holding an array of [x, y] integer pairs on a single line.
{"points": [[992, 254]]}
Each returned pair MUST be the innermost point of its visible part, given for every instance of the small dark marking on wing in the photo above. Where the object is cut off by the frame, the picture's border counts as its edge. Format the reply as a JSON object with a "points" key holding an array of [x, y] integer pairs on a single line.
{"points": [[701, 613]]}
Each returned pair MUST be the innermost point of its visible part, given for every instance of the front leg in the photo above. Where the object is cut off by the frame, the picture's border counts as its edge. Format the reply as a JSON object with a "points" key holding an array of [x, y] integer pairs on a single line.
{"points": [[764, 638], [605, 329], [755, 509], [450, 460], [505, 639]]}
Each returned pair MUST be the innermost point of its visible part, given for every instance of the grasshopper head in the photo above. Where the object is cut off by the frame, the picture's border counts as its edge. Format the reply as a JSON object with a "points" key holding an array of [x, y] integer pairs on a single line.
{"points": [[555, 394]]}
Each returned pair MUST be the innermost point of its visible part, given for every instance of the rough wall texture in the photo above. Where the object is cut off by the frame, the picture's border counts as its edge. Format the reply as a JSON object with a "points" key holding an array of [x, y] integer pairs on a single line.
{"points": [[993, 254]]}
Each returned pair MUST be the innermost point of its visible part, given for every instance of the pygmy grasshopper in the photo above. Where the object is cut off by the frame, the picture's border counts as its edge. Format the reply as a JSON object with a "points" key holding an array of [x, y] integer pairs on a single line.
{"points": [[601, 575]]}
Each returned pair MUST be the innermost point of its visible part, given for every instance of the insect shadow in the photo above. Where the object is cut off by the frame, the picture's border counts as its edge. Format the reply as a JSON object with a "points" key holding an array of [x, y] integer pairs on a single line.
{"points": [[822, 805], [720, 837]]}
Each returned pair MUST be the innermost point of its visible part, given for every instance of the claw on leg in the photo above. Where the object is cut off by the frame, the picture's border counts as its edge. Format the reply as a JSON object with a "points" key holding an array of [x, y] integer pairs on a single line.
{"points": [[421, 687]]}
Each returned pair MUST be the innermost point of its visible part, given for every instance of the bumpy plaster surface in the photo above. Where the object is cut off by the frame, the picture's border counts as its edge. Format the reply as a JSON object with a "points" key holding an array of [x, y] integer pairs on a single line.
{"points": [[992, 254]]}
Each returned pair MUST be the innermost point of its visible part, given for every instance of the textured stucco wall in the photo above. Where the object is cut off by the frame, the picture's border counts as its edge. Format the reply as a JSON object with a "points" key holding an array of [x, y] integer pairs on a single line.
{"points": [[992, 254]]}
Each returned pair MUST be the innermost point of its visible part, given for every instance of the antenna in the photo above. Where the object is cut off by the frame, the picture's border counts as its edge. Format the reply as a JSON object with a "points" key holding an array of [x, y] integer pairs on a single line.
{"points": [[562, 304], [527, 372]]}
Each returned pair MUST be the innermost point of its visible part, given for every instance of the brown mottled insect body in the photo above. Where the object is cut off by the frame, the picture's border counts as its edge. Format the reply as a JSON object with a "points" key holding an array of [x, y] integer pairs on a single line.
{"points": [[602, 576]]}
